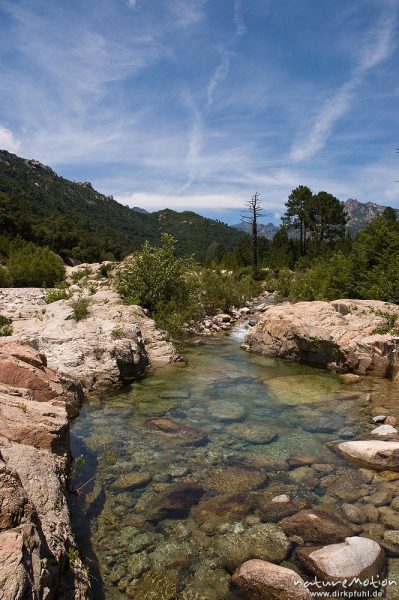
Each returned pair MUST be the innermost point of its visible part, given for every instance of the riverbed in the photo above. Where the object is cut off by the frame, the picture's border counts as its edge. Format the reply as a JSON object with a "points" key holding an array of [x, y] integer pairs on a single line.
{"points": [[179, 469]]}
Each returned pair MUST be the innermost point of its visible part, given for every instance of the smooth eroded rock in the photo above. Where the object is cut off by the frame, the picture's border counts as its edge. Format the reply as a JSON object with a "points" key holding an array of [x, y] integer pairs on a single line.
{"points": [[258, 580], [374, 454], [355, 557]]}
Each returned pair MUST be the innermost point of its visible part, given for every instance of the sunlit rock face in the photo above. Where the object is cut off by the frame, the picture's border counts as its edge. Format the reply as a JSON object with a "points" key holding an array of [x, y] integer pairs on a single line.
{"points": [[344, 335]]}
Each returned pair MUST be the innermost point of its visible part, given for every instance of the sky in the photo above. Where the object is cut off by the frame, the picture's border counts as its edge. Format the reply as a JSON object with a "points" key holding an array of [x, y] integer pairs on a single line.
{"points": [[198, 104]]}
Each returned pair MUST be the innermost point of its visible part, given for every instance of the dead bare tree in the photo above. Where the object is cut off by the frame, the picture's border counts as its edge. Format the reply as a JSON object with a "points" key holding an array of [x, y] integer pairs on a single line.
{"points": [[254, 209]]}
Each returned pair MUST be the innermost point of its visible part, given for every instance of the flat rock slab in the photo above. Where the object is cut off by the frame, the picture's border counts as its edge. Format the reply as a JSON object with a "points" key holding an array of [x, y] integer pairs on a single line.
{"points": [[373, 454]]}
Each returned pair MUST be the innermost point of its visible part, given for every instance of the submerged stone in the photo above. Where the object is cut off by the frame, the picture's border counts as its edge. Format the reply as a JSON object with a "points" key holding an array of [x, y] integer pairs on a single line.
{"points": [[235, 479], [265, 541], [222, 509], [131, 481], [156, 585], [187, 436], [253, 432], [316, 526], [175, 502]]}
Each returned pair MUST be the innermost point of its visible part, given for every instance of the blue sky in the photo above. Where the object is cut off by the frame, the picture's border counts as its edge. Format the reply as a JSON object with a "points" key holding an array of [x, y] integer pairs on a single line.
{"points": [[197, 104]]}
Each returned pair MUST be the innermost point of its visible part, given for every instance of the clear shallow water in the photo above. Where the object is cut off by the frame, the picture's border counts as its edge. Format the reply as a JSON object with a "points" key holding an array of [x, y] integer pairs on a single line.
{"points": [[174, 508]]}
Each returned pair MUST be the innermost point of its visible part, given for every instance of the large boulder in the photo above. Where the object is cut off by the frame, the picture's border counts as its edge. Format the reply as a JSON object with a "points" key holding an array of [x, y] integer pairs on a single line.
{"points": [[356, 557], [373, 454], [340, 335], [258, 580]]}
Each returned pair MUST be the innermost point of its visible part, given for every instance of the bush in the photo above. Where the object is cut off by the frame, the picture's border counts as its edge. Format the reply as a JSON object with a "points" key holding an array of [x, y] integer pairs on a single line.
{"points": [[78, 275], [5, 326], [5, 279], [157, 277], [225, 290], [80, 307], [175, 290], [32, 266], [59, 293]]}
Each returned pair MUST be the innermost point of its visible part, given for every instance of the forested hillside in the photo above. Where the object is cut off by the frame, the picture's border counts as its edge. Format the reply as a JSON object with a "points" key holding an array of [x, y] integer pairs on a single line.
{"points": [[76, 221]]}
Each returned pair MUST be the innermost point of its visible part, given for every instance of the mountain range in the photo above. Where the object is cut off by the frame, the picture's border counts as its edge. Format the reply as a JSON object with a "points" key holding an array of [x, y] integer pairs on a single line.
{"points": [[77, 222]]}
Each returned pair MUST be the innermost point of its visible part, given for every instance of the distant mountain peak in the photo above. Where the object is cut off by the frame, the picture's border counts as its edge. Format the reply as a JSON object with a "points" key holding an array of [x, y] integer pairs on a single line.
{"points": [[360, 213]]}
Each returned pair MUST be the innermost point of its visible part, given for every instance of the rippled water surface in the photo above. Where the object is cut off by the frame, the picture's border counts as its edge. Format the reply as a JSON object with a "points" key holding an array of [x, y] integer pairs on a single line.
{"points": [[186, 462]]}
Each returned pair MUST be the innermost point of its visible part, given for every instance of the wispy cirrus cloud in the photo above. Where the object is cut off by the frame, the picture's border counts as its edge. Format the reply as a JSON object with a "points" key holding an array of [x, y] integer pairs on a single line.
{"points": [[218, 76], [241, 28], [167, 104], [378, 45]]}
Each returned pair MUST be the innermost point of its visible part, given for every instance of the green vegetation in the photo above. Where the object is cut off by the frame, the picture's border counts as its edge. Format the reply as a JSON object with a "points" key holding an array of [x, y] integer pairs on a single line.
{"points": [[79, 275], [366, 267], [176, 289], [117, 334], [390, 324], [5, 326], [55, 294], [80, 307], [74, 220], [28, 265]]}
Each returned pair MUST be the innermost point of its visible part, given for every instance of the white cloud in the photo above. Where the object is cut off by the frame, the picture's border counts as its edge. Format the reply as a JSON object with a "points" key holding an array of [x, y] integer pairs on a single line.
{"points": [[194, 202], [378, 46], [238, 18], [219, 75], [8, 140], [132, 3]]}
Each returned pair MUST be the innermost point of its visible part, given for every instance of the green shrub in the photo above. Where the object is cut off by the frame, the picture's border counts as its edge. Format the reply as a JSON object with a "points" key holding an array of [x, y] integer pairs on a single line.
{"points": [[105, 270], [117, 334], [5, 326], [284, 282], [5, 279], [78, 275], [225, 290], [32, 266], [80, 307], [53, 295], [157, 277], [175, 289]]}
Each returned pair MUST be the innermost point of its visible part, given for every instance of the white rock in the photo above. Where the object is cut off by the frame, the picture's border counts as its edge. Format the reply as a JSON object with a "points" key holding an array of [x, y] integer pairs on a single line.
{"points": [[281, 498], [378, 455], [384, 430], [260, 579], [379, 418], [356, 557]]}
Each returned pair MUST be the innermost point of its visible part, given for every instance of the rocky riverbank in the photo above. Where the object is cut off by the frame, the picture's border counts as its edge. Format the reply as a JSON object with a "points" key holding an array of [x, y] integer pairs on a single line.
{"points": [[346, 336], [38, 556], [53, 357]]}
